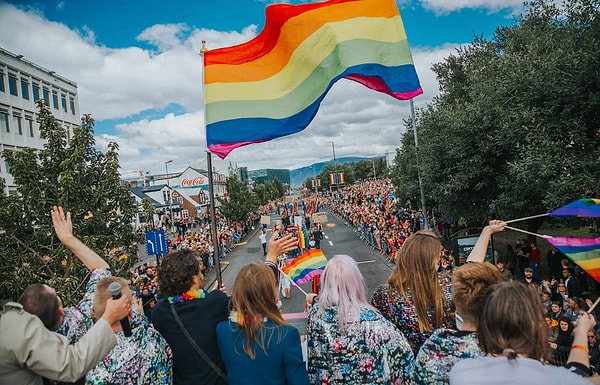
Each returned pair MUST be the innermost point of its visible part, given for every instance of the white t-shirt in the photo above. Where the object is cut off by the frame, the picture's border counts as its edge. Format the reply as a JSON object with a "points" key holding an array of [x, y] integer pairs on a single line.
{"points": [[263, 238], [502, 371]]}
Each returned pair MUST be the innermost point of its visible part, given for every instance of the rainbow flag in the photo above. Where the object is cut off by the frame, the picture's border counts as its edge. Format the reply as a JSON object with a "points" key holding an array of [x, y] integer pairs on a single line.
{"points": [[586, 207], [305, 267], [583, 251], [272, 86]]}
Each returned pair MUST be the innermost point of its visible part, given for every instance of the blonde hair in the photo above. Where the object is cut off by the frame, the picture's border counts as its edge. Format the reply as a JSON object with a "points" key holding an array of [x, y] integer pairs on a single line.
{"points": [[102, 294], [254, 297], [416, 271], [470, 282]]}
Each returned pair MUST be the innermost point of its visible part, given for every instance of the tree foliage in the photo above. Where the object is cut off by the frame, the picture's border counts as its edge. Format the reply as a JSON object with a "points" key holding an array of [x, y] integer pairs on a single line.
{"points": [[515, 129], [69, 172], [241, 200]]}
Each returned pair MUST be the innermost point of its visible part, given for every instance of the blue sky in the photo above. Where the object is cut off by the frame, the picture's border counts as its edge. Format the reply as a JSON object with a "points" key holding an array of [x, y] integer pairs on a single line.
{"points": [[139, 75]]}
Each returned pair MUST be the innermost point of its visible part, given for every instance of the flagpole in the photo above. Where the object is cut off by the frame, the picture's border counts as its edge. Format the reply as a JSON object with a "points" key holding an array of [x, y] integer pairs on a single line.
{"points": [[211, 188], [594, 305], [528, 232], [414, 124], [292, 281], [526, 218]]}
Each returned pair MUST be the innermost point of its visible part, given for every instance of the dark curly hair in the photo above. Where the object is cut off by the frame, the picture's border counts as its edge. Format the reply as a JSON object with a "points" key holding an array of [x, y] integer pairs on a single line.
{"points": [[176, 271]]}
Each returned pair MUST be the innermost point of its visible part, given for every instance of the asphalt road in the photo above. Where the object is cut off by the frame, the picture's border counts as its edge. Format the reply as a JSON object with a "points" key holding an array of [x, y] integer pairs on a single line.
{"points": [[338, 239]]}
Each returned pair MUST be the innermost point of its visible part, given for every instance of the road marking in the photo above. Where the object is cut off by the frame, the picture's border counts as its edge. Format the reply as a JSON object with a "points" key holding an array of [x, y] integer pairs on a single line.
{"points": [[330, 243], [326, 237], [366, 262], [240, 244]]}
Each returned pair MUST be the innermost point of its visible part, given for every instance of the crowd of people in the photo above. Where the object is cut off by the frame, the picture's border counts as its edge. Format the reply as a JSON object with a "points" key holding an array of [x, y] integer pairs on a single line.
{"points": [[435, 320]]}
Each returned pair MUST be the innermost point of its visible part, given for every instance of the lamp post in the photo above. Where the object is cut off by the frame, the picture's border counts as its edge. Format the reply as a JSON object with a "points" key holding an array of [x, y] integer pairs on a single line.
{"points": [[335, 179], [169, 186]]}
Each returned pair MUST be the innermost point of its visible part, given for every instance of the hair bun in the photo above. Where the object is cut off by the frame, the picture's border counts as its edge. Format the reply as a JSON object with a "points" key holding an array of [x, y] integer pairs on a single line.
{"points": [[509, 353]]}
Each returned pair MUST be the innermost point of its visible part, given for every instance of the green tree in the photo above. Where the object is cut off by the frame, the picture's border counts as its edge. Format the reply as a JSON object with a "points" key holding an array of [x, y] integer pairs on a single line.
{"points": [[515, 129], [279, 188], [241, 200], [149, 210], [86, 182]]}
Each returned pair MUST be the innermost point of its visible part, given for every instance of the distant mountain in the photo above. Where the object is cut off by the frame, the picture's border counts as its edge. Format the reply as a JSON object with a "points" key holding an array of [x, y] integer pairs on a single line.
{"points": [[300, 175]]}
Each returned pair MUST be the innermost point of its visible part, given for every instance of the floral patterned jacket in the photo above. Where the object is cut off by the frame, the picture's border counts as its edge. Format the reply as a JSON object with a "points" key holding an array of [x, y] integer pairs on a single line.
{"points": [[373, 350]]}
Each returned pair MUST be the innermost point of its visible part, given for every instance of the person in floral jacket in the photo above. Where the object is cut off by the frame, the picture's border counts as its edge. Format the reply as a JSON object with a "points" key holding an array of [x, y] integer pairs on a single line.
{"points": [[349, 341]]}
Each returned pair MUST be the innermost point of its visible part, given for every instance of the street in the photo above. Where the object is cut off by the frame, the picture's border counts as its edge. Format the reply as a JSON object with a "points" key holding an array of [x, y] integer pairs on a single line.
{"points": [[338, 239]]}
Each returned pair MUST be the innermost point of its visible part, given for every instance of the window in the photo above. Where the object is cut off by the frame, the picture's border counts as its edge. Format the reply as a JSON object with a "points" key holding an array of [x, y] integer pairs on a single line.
{"points": [[72, 105], [25, 89], [55, 100], [185, 214], [180, 200], [17, 125], [29, 127], [36, 93], [2, 82], [63, 102], [46, 96], [12, 85], [4, 122]]}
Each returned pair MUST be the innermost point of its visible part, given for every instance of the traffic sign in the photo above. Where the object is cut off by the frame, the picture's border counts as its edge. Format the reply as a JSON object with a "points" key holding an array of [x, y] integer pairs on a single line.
{"points": [[156, 242]]}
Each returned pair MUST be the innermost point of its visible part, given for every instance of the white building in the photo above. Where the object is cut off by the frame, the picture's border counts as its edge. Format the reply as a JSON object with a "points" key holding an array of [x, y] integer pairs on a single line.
{"points": [[22, 83]]}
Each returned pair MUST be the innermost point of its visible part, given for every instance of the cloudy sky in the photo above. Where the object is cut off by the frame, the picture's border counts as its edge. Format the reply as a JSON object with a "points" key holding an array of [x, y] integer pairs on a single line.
{"points": [[138, 73]]}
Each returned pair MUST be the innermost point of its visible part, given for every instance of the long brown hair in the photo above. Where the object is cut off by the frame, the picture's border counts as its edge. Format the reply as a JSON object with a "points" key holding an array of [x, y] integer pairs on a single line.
{"points": [[416, 271], [511, 320], [254, 297]]}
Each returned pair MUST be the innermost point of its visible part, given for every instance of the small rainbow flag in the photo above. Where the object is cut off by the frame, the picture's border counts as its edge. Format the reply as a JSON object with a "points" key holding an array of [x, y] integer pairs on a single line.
{"points": [[273, 85], [586, 207], [583, 251], [305, 267]]}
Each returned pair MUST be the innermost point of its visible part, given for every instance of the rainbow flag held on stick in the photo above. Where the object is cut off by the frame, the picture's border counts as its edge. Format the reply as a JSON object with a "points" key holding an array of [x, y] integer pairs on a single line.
{"points": [[583, 251], [305, 267], [586, 207], [273, 85]]}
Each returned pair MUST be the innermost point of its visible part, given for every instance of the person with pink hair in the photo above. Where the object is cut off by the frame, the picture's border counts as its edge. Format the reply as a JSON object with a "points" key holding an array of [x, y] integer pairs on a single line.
{"points": [[349, 341]]}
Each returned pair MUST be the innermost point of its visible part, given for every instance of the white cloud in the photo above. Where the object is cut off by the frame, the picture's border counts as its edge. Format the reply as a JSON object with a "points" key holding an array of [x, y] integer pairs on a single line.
{"points": [[445, 6], [120, 83]]}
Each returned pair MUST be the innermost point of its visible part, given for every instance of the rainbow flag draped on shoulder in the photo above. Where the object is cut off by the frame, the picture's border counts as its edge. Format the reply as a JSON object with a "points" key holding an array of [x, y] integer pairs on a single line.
{"points": [[305, 267], [273, 85]]}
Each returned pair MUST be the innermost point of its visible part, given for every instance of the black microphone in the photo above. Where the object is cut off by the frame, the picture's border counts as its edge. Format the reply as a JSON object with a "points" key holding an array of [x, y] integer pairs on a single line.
{"points": [[115, 290]]}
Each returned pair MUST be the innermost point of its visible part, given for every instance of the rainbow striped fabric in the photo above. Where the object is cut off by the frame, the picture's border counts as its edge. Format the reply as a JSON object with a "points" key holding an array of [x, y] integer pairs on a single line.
{"points": [[305, 267], [583, 251], [273, 85], [586, 207]]}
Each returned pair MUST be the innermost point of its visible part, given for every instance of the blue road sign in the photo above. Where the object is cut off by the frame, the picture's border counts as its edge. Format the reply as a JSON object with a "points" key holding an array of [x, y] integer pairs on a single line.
{"points": [[156, 242]]}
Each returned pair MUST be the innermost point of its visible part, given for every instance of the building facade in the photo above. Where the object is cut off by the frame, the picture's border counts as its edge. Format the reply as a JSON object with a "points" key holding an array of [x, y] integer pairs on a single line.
{"points": [[269, 174], [22, 84]]}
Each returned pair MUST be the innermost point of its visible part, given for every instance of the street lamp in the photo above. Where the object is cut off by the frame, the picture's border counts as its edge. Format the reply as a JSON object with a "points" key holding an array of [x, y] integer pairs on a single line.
{"points": [[169, 186], [167, 169], [335, 179]]}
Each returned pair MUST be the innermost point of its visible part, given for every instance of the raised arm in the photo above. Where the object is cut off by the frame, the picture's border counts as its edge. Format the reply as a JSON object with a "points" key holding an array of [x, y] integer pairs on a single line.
{"points": [[480, 248], [278, 246], [64, 230]]}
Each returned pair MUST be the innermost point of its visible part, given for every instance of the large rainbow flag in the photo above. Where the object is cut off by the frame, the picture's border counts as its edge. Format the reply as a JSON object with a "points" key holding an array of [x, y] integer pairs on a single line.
{"points": [[305, 267], [273, 85], [586, 207], [583, 251]]}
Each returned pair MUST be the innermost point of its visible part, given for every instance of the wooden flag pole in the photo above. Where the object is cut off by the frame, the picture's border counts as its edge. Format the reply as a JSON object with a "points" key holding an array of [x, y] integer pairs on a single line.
{"points": [[526, 218], [594, 305], [292, 281], [213, 219], [528, 232]]}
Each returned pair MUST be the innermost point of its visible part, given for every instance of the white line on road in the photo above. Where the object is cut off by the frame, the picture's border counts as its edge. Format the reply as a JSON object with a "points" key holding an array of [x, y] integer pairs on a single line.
{"points": [[366, 262], [330, 243], [326, 237]]}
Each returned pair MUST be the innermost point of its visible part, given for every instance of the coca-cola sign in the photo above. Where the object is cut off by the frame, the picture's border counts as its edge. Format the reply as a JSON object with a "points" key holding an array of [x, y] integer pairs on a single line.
{"points": [[197, 181]]}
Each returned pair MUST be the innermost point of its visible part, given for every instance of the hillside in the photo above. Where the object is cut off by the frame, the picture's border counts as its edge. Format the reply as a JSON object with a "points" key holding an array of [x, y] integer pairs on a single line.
{"points": [[299, 175]]}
